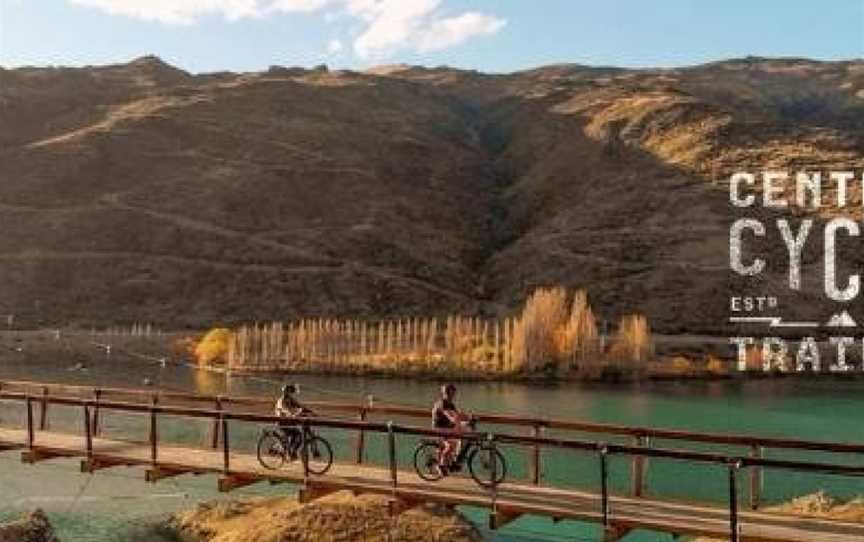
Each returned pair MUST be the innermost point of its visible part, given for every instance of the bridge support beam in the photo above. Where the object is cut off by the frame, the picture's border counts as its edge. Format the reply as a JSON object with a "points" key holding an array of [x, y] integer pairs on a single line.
{"points": [[35, 455], [232, 482], [614, 533], [92, 465], [155, 474], [501, 517]]}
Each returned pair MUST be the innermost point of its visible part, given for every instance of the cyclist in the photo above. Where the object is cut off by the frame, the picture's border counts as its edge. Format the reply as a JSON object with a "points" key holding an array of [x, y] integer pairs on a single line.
{"points": [[287, 406], [445, 415]]}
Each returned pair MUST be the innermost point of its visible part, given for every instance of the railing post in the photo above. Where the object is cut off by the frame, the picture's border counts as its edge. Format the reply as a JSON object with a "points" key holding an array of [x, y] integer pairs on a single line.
{"points": [[493, 488], [30, 437], [490, 442], [226, 464], [88, 432], [43, 411], [214, 431], [604, 483], [756, 479], [97, 429], [391, 445], [733, 500], [361, 438], [536, 431], [638, 468], [154, 435]]}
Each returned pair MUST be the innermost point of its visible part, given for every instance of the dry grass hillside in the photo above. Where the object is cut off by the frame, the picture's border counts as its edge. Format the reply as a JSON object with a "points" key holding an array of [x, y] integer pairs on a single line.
{"points": [[139, 192]]}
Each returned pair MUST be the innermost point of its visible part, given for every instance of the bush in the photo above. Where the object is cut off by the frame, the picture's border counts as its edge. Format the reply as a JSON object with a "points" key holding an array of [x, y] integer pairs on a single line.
{"points": [[213, 347]]}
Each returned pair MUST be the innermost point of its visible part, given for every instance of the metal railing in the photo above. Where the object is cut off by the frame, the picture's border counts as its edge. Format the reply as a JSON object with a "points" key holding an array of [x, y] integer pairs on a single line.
{"points": [[644, 437]]}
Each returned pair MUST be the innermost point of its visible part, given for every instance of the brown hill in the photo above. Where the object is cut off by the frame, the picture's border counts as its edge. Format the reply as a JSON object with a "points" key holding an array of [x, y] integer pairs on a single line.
{"points": [[141, 192]]}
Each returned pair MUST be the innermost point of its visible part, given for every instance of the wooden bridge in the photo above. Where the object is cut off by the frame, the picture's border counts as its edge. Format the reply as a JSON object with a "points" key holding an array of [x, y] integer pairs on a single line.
{"points": [[618, 513]]}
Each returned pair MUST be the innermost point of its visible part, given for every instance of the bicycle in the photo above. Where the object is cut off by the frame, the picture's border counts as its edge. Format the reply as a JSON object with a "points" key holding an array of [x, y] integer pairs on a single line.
{"points": [[276, 446], [486, 463]]}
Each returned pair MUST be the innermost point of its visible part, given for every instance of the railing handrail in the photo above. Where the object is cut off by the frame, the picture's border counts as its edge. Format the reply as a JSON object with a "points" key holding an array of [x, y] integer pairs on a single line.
{"points": [[385, 427], [497, 419]]}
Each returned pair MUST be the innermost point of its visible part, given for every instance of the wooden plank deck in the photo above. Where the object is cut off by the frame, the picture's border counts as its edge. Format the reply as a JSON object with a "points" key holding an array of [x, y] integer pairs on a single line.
{"points": [[511, 498]]}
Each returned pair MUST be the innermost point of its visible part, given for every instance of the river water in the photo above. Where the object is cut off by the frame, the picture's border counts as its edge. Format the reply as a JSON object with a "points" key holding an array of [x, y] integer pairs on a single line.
{"points": [[117, 505]]}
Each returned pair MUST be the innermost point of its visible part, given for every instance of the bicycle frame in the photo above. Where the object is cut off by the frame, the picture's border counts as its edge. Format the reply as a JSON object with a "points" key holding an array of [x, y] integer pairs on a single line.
{"points": [[465, 447], [283, 433]]}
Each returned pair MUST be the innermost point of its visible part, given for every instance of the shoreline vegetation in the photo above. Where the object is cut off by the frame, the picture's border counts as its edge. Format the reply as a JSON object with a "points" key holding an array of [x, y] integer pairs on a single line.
{"points": [[555, 335]]}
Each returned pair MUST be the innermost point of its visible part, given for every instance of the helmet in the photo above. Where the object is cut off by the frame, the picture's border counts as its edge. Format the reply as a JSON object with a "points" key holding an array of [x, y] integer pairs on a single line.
{"points": [[448, 389], [289, 389]]}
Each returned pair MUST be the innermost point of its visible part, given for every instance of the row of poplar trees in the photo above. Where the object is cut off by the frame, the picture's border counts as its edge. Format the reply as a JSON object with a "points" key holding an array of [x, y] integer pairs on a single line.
{"points": [[555, 328]]}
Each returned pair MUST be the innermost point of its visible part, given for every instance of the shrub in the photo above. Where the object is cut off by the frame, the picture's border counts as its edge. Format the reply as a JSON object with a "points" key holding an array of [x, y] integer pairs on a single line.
{"points": [[213, 347]]}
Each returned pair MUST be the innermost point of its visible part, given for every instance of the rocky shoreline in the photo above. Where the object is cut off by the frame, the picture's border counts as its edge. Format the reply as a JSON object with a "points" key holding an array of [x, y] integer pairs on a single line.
{"points": [[34, 527]]}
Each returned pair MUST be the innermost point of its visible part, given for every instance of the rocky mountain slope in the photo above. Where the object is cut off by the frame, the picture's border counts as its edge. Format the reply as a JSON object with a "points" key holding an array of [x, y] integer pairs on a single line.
{"points": [[142, 192]]}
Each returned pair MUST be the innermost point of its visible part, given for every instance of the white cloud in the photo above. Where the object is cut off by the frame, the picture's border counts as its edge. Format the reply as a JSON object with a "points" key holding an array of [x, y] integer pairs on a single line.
{"points": [[385, 26], [391, 24], [417, 25], [334, 47], [444, 33]]}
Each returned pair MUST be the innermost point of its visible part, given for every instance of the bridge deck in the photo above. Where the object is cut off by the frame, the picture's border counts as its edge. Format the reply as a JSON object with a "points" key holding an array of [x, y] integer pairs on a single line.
{"points": [[512, 499]]}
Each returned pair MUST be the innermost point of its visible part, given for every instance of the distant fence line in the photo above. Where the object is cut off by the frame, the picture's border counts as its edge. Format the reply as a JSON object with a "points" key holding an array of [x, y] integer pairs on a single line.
{"points": [[137, 329]]}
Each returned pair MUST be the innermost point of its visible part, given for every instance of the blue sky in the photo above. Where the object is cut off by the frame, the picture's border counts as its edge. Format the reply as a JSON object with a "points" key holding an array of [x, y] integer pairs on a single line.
{"points": [[208, 35]]}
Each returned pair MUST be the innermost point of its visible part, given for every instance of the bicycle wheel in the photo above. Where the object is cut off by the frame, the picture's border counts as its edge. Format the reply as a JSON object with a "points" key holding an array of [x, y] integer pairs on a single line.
{"points": [[271, 450], [320, 455], [488, 466], [426, 461]]}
